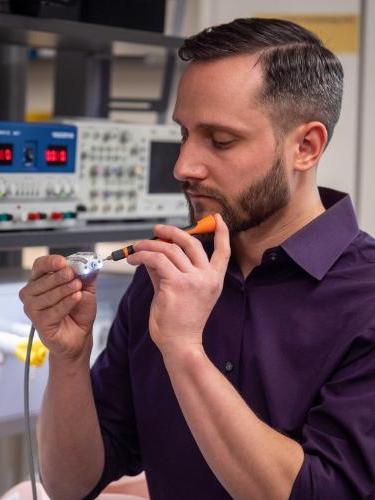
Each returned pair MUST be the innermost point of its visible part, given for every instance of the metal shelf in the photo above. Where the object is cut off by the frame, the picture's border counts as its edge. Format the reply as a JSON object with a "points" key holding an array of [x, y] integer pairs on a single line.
{"points": [[83, 37], [73, 236], [80, 234], [73, 35]]}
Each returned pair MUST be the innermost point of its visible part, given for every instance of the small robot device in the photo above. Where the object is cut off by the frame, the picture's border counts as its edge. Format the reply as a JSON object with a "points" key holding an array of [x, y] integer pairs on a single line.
{"points": [[86, 265]]}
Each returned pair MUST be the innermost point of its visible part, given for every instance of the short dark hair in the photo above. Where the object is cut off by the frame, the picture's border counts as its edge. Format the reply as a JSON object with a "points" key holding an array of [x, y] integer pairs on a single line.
{"points": [[303, 80]]}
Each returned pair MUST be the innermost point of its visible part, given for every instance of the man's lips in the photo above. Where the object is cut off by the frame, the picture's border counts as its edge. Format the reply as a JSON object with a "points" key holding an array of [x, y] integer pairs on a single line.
{"points": [[197, 195]]}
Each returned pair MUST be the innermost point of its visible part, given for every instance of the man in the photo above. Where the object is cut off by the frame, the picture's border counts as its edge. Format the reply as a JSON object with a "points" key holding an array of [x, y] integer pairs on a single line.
{"points": [[243, 367]]}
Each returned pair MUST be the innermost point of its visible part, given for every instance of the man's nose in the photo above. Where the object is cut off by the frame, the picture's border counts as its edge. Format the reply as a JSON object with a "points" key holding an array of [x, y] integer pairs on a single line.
{"points": [[190, 164]]}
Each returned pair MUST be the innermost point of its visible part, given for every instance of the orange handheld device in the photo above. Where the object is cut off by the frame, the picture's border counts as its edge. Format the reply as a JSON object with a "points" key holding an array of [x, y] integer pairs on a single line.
{"points": [[205, 225]]}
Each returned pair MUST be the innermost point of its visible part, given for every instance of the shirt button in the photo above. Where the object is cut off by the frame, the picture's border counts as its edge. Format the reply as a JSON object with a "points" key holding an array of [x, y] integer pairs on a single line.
{"points": [[229, 366], [273, 256]]}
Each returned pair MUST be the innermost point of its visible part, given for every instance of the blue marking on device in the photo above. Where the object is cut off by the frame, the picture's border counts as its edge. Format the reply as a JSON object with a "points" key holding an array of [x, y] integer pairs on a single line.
{"points": [[37, 148]]}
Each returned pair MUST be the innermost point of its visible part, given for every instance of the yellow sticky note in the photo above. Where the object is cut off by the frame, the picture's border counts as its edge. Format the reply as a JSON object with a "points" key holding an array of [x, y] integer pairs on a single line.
{"points": [[339, 32]]}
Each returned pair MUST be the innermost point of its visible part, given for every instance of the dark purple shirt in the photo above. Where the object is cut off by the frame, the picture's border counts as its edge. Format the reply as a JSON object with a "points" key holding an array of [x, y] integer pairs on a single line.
{"points": [[296, 339]]}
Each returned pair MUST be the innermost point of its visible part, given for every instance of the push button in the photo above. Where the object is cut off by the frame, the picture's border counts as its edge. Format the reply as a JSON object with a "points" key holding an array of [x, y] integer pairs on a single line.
{"points": [[69, 215], [273, 256], [56, 215], [229, 366], [6, 217], [33, 216]]}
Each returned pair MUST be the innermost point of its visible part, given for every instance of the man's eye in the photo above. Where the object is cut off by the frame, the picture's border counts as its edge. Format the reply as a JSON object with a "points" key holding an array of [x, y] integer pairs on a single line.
{"points": [[222, 144]]}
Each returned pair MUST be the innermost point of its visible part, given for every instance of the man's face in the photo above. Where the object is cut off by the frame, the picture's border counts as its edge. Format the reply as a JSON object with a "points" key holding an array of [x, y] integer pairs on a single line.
{"points": [[229, 160]]}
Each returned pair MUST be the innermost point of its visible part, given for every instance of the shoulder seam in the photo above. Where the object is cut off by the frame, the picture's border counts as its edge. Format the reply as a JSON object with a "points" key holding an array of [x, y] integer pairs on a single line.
{"points": [[362, 233]]}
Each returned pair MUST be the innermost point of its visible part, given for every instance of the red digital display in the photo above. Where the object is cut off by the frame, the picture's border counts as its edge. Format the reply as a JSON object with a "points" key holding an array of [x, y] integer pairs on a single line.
{"points": [[6, 154], [56, 155]]}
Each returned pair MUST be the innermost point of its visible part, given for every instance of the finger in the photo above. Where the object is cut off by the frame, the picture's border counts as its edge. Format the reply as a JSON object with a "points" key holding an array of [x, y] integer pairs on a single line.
{"points": [[49, 281], [192, 247], [220, 257], [155, 280], [158, 262], [47, 264], [53, 297], [172, 251], [58, 312]]}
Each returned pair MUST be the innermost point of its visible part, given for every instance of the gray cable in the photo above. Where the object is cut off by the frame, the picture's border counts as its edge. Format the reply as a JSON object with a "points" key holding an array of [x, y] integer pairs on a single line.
{"points": [[26, 396]]}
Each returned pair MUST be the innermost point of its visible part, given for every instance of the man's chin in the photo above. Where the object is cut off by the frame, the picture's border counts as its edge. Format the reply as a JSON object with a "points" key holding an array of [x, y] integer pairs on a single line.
{"points": [[201, 208], [198, 214]]}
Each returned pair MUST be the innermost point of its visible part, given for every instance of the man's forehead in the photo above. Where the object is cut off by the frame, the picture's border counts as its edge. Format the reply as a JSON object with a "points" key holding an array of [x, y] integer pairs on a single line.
{"points": [[226, 85], [242, 69]]}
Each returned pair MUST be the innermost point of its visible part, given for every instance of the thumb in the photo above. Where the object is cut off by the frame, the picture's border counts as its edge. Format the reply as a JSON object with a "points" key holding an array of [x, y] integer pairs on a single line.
{"points": [[220, 257]]}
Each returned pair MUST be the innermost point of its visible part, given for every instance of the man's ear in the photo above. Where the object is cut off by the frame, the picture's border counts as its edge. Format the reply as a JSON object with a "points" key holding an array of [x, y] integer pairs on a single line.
{"points": [[310, 140]]}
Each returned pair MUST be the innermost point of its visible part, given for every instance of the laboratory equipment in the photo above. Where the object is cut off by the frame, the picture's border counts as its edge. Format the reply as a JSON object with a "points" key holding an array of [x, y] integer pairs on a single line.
{"points": [[38, 184], [125, 171]]}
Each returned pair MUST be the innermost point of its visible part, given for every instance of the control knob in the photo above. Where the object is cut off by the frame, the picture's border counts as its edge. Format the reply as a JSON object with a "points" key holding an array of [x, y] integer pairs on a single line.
{"points": [[66, 189], [13, 189], [3, 188], [54, 188], [123, 137]]}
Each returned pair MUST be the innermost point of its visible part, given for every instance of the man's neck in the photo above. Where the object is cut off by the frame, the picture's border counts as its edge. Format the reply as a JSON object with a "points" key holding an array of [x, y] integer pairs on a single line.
{"points": [[248, 246]]}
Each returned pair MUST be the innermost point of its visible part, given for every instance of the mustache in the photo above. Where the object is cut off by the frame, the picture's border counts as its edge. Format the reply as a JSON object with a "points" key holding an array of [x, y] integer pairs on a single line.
{"points": [[195, 188]]}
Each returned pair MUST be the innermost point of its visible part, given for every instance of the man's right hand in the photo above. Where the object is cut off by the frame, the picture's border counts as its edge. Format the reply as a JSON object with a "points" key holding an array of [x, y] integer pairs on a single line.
{"points": [[60, 307]]}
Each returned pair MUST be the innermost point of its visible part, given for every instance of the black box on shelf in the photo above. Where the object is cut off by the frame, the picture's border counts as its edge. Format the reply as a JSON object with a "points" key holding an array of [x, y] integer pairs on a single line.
{"points": [[146, 15], [60, 9]]}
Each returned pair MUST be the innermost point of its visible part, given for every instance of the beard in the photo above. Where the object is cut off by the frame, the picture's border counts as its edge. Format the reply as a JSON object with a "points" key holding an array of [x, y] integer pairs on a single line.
{"points": [[254, 205]]}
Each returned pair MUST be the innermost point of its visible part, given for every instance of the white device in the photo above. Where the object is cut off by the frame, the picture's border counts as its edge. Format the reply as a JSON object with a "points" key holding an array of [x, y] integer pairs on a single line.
{"points": [[126, 171], [86, 265]]}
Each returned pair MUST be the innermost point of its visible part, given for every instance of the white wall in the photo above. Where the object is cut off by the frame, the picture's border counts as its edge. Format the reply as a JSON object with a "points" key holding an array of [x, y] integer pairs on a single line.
{"points": [[367, 139]]}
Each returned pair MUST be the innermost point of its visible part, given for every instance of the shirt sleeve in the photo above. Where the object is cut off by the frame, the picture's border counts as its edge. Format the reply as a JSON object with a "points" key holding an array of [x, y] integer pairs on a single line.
{"points": [[339, 435], [114, 404]]}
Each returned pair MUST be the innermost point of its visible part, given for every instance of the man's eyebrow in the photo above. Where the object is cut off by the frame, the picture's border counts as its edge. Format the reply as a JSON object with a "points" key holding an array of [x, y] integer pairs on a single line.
{"points": [[212, 126]]}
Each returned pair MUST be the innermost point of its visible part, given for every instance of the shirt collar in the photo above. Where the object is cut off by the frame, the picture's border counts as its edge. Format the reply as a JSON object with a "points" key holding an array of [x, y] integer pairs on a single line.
{"points": [[317, 246]]}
